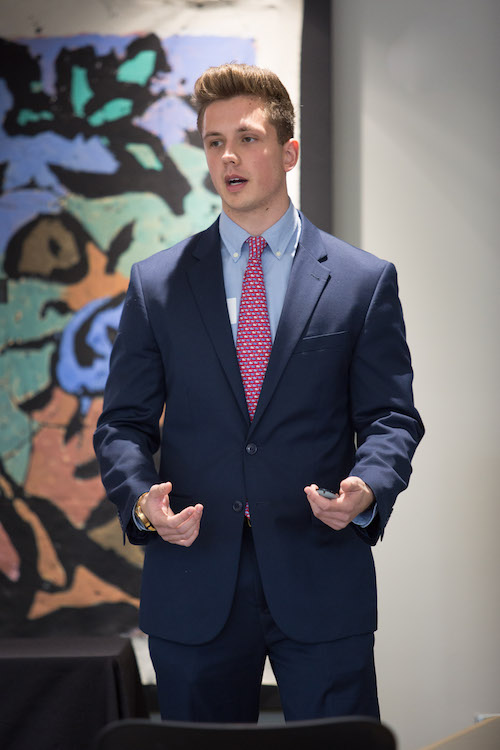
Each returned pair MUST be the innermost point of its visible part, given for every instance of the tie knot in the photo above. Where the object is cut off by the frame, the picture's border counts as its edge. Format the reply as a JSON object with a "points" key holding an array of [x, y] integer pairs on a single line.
{"points": [[256, 245]]}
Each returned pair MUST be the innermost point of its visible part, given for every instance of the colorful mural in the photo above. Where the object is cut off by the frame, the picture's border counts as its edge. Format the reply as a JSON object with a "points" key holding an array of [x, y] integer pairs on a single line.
{"points": [[100, 165]]}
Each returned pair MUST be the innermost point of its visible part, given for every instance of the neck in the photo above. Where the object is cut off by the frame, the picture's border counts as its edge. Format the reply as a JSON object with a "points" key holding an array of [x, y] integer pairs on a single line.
{"points": [[258, 221]]}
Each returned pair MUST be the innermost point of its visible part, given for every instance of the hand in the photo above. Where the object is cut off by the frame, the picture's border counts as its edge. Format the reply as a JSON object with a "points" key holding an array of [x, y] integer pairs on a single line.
{"points": [[354, 497], [177, 528]]}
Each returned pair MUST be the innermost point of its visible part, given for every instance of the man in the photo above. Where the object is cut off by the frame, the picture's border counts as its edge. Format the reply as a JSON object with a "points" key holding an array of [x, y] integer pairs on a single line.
{"points": [[244, 558]]}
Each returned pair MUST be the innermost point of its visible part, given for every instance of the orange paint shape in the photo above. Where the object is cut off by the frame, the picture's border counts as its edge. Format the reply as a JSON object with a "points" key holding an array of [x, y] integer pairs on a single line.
{"points": [[87, 590], [51, 472], [48, 565], [59, 409], [96, 283]]}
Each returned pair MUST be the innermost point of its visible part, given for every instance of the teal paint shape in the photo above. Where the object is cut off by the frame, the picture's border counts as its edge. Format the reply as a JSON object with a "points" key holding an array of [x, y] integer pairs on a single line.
{"points": [[144, 155], [26, 116], [81, 92], [155, 225], [112, 110], [15, 438], [22, 319], [139, 69], [28, 371], [191, 161], [18, 461]]}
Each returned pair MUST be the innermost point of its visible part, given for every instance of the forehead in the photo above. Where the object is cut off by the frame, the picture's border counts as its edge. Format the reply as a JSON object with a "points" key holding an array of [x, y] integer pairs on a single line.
{"points": [[235, 114]]}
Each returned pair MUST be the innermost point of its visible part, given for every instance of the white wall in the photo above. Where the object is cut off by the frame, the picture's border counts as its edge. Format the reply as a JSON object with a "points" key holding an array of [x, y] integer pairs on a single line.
{"points": [[417, 181]]}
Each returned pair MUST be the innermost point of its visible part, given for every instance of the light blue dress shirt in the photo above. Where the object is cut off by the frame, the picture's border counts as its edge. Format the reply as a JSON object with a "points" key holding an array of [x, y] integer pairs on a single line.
{"points": [[277, 258]]}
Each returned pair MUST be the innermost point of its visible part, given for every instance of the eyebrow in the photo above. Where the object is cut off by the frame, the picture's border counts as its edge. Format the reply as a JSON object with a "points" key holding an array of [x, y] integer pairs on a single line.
{"points": [[242, 129]]}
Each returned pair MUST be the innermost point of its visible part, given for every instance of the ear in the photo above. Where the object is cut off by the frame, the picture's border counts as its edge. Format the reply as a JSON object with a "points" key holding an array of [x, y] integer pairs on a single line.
{"points": [[290, 154]]}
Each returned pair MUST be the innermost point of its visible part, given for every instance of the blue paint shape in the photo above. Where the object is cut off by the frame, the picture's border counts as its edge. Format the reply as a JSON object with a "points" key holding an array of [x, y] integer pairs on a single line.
{"points": [[28, 158], [90, 379]]}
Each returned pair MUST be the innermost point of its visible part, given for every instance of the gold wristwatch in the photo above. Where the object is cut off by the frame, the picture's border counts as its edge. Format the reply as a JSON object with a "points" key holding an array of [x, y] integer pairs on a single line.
{"points": [[139, 513]]}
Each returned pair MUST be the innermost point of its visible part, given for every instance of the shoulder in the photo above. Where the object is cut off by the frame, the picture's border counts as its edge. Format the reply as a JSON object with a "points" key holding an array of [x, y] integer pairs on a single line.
{"points": [[339, 255]]}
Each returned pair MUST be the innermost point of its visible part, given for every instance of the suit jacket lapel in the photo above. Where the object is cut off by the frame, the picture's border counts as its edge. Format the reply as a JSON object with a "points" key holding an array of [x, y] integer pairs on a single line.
{"points": [[307, 281], [207, 283]]}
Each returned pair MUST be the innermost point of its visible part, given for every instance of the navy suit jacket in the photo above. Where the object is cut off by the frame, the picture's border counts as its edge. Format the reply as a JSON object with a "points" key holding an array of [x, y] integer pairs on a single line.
{"points": [[336, 400]]}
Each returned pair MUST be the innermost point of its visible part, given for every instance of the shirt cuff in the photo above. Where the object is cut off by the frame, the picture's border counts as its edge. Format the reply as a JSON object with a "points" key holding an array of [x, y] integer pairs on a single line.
{"points": [[138, 521], [365, 518]]}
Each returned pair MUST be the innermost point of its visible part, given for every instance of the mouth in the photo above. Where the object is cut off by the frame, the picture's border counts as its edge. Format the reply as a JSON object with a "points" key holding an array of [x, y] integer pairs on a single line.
{"points": [[234, 182]]}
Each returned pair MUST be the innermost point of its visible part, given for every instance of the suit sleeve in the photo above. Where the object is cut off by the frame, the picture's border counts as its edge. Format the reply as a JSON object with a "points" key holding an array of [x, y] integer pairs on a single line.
{"points": [[128, 431], [387, 425]]}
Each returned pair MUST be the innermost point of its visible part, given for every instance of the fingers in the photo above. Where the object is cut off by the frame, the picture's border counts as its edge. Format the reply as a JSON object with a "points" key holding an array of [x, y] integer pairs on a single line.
{"points": [[156, 499], [352, 484], [333, 512], [184, 534], [176, 528], [161, 491], [354, 497], [319, 502], [181, 528]]}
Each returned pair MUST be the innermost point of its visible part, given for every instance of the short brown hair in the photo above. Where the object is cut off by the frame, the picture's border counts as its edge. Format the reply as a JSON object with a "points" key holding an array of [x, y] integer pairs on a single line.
{"points": [[238, 79]]}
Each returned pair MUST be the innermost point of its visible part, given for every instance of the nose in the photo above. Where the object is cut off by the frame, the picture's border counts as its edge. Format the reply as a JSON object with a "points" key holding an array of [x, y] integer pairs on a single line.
{"points": [[229, 156]]}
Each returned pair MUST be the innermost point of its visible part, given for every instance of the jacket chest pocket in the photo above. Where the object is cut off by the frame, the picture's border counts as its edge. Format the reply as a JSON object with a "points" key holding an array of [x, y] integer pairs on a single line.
{"points": [[337, 341]]}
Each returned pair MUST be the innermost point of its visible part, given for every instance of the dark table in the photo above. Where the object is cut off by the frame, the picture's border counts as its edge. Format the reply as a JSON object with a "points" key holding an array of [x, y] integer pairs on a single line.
{"points": [[56, 694]]}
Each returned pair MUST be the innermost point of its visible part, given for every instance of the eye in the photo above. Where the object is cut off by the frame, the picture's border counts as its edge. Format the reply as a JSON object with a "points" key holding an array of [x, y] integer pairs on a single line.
{"points": [[248, 139], [215, 143]]}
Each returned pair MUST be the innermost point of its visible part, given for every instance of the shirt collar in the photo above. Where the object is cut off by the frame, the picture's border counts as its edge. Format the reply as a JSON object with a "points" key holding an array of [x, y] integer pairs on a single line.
{"points": [[277, 237]]}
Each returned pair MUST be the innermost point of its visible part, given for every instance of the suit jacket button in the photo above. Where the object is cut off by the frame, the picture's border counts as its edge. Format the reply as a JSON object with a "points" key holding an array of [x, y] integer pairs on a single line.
{"points": [[251, 449], [237, 506]]}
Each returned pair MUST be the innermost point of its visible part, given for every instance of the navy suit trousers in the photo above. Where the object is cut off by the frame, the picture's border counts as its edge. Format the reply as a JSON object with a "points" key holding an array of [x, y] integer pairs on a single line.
{"points": [[220, 681]]}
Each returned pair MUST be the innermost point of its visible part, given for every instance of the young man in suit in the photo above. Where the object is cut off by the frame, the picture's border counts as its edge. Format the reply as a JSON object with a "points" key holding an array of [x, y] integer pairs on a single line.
{"points": [[244, 558]]}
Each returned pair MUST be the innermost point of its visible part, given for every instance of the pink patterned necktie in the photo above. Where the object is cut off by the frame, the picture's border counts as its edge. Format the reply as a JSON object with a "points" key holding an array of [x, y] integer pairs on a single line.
{"points": [[253, 340]]}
